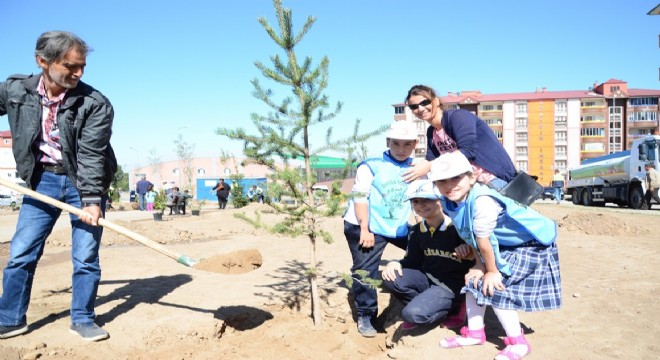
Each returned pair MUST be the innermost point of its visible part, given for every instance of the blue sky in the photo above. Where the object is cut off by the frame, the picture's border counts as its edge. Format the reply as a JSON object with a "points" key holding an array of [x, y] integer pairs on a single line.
{"points": [[173, 67]]}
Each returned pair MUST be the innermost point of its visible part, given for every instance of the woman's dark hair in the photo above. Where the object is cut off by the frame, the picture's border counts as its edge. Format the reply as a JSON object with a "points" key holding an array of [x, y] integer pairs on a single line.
{"points": [[425, 91]]}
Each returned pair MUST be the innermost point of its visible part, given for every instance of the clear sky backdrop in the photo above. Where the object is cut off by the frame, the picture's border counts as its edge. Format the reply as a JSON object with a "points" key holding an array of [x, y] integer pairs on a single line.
{"points": [[185, 67]]}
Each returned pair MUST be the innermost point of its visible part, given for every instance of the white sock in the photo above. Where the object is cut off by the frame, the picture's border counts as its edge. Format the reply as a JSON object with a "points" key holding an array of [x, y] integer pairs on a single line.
{"points": [[475, 314], [509, 320]]}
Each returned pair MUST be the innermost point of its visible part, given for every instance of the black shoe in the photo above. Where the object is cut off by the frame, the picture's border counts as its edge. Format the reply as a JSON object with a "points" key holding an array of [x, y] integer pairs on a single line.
{"points": [[364, 326], [11, 331]]}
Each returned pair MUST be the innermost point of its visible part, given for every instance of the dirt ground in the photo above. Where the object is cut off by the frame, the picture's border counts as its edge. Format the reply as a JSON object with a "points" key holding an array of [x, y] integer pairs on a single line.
{"points": [[248, 297]]}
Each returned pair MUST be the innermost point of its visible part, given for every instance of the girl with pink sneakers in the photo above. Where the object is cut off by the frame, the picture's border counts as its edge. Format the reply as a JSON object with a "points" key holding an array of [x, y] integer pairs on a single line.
{"points": [[517, 262]]}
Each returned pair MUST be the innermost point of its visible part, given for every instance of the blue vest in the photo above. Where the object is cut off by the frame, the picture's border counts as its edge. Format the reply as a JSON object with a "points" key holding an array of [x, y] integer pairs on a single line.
{"points": [[516, 225], [389, 210]]}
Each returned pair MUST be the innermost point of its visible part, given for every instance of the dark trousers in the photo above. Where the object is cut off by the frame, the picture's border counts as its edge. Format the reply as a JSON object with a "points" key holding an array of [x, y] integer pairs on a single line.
{"points": [[425, 302], [651, 195], [365, 297], [222, 201]]}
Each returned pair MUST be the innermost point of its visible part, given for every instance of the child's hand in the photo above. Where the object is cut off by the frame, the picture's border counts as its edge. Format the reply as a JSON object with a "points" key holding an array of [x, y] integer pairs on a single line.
{"points": [[463, 251], [474, 274], [492, 281], [391, 270], [367, 239], [418, 171]]}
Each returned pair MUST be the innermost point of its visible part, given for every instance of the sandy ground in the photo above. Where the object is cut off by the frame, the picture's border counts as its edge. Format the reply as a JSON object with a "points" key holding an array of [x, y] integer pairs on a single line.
{"points": [[248, 299]]}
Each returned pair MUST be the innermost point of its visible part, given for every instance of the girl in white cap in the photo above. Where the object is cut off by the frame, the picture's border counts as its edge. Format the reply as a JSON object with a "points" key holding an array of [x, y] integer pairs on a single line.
{"points": [[517, 267], [378, 214]]}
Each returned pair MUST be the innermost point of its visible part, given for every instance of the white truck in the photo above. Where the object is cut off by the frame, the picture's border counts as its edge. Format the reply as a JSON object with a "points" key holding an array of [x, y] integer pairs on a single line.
{"points": [[615, 178]]}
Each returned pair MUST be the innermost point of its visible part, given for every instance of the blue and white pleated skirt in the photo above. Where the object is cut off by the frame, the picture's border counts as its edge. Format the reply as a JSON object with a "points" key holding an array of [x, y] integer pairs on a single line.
{"points": [[534, 284]]}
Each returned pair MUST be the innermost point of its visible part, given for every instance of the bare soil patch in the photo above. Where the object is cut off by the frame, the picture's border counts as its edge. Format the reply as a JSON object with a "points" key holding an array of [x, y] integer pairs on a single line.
{"points": [[248, 297]]}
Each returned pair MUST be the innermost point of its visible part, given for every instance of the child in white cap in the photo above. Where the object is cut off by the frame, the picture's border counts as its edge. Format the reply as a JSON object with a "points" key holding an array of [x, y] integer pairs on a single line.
{"points": [[429, 278], [378, 214], [517, 267]]}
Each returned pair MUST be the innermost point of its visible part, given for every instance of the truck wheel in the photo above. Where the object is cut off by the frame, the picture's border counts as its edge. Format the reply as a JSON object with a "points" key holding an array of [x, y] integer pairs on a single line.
{"points": [[575, 197], [636, 199], [586, 198]]}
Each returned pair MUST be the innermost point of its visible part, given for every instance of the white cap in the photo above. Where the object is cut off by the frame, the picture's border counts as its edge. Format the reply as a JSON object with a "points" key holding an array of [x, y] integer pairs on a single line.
{"points": [[422, 189], [448, 165], [402, 130]]}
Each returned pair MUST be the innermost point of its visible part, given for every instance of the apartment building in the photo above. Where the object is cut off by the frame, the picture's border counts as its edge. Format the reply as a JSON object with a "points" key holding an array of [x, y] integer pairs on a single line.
{"points": [[547, 130]]}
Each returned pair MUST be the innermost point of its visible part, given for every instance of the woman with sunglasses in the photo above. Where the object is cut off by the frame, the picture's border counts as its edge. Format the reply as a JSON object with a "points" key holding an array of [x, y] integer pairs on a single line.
{"points": [[458, 129]]}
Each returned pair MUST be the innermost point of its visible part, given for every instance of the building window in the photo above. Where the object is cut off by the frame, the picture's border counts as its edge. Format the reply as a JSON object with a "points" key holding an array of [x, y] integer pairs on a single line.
{"points": [[560, 107], [560, 135], [560, 150], [521, 123], [560, 120], [7, 141], [521, 137], [592, 132], [588, 104], [592, 118], [522, 165], [493, 121], [560, 165], [488, 107], [521, 150], [643, 116], [201, 171], [648, 101], [598, 147], [521, 108], [175, 171], [399, 109]]}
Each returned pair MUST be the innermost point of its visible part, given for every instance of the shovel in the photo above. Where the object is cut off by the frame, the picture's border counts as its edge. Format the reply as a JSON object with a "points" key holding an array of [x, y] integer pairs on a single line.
{"points": [[181, 259]]}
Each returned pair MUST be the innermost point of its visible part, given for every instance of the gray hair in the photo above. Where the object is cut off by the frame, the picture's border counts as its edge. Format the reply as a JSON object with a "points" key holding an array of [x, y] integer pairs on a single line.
{"points": [[53, 45]]}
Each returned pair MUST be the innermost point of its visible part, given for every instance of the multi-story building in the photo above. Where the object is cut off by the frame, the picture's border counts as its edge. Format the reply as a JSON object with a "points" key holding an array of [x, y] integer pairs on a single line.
{"points": [[547, 130]]}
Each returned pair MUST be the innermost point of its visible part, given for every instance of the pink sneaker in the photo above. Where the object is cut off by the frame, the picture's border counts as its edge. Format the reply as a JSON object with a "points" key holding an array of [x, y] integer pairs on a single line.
{"points": [[510, 342], [455, 320], [405, 326]]}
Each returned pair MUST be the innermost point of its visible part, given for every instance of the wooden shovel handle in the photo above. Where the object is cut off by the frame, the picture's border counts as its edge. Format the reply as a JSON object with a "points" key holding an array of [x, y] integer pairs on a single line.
{"points": [[102, 222]]}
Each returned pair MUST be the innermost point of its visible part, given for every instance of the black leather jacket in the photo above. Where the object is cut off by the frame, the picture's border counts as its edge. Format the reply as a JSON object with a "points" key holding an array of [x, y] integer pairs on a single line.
{"points": [[85, 121]]}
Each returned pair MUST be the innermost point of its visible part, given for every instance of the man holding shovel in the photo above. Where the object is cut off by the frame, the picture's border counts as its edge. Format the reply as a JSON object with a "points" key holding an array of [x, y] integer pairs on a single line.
{"points": [[61, 130]]}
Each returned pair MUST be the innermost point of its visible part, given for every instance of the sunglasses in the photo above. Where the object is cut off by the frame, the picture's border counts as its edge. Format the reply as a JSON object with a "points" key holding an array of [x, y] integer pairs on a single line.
{"points": [[414, 107]]}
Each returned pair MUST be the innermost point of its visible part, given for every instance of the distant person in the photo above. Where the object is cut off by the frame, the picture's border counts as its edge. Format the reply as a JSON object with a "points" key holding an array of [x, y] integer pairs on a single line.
{"points": [[61, 129], [429, 278], [222, 192], [558, 185], [255, 193], [378, 214], [259, 193], [517, 267], [141, 189], [182, 201], [458, 129], [652, 184], [150, 198], [173, 201], [251, 194]]}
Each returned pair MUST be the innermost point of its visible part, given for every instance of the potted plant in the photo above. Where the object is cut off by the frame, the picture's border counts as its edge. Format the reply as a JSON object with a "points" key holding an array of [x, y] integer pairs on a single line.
{"points": [[196, 207], [160, 203]]}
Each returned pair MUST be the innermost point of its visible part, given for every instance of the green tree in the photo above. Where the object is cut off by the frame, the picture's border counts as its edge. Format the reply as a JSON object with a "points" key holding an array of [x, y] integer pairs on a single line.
{"points": [[284, 134], [121, 179]]}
